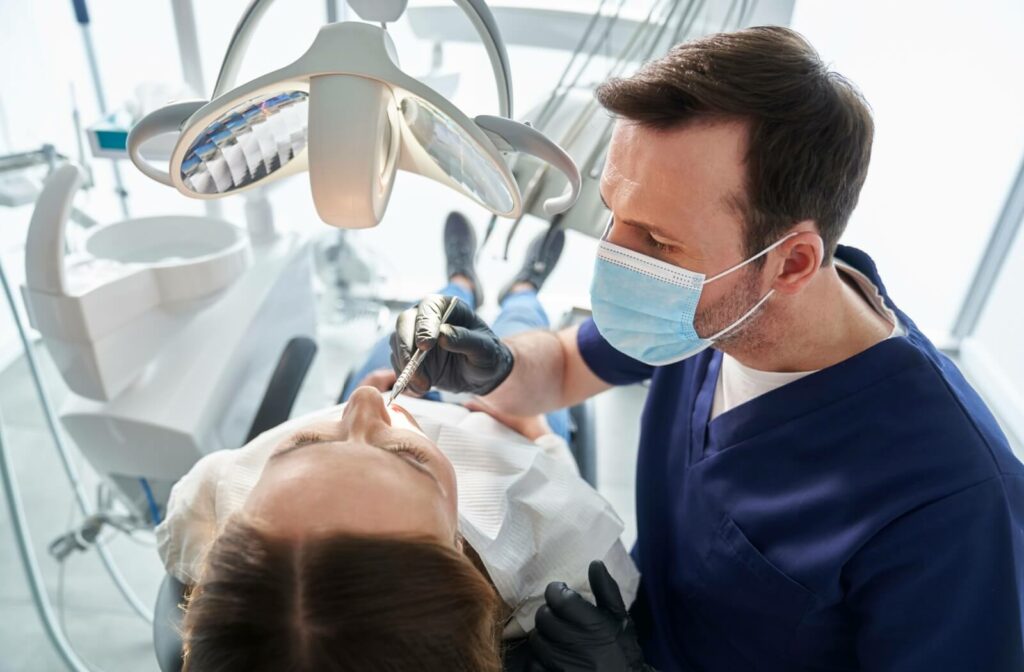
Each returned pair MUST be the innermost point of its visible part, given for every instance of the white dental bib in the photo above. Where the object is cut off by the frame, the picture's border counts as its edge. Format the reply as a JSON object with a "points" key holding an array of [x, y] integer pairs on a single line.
{"points": [[522, 506]]}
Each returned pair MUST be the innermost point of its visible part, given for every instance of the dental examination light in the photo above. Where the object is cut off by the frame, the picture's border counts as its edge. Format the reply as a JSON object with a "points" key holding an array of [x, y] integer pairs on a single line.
{"points": [[347, 113]]}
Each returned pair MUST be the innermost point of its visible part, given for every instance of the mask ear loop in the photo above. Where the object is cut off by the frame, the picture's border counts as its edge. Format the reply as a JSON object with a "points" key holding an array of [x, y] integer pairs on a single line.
{"points": [[607, 227], [760, 254], [743, 318]]}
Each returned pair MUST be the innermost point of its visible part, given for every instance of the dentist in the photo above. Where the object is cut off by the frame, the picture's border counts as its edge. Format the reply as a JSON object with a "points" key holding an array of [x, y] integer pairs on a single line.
{"points": [[818, 487]]}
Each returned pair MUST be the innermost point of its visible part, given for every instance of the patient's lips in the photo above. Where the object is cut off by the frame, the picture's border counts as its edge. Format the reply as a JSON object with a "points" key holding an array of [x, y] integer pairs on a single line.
{"points": [[403, 419]]}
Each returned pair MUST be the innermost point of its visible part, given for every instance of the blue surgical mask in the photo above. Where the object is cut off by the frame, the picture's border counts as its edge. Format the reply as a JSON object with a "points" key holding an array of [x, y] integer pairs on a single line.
{"points": [[644, 307]]}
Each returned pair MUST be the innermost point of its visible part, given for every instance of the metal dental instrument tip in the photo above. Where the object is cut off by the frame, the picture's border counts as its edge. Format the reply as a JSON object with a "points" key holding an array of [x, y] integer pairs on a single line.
{"points": [[414, 362]]}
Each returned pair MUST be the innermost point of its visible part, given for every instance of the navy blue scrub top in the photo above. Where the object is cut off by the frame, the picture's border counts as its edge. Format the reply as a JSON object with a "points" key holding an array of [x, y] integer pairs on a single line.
{"points": [[869, 516]]}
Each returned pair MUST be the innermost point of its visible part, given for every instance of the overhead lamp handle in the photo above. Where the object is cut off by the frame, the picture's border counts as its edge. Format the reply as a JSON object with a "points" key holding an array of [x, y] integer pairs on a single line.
{"points": [[477, 11], [379, 11], [167, 119], [510, 135]]}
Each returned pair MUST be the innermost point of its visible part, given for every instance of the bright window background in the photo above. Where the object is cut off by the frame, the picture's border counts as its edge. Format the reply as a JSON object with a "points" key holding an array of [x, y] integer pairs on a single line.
{"points": [[994, 356], [943, 79]]}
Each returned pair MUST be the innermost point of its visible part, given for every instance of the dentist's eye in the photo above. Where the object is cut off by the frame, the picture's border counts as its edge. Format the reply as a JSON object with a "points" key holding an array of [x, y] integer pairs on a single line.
{"points": [[658, 245]]}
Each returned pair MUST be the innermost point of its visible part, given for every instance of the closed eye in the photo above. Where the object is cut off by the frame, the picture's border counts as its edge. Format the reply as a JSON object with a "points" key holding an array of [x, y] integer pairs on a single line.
{"points": [[305, 438], [417, 454], [658, 245]]}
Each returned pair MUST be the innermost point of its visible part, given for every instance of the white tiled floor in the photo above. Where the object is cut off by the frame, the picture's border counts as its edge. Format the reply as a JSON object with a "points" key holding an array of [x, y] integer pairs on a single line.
{"points": [[101, 625]]}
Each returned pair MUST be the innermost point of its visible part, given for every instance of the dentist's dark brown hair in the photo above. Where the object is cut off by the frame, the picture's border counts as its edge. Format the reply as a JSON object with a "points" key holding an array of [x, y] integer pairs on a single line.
{"points": [[809, 129]]}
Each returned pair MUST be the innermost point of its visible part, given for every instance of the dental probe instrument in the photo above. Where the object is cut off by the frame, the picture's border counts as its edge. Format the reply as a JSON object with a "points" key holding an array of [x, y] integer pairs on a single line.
{"points": [[414, 362]]}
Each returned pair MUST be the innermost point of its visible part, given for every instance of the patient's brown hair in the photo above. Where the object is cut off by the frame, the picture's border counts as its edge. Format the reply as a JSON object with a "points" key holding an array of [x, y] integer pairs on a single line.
{"points": [[339, 603]]}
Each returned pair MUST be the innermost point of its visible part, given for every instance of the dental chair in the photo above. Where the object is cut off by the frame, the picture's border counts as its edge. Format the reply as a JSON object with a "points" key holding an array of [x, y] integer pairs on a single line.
{"points": [[275, 408]]}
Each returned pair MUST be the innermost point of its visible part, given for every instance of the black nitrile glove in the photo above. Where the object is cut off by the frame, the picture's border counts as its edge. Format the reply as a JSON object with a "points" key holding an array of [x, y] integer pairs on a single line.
{"points": [[468, 357], [574, 635]]}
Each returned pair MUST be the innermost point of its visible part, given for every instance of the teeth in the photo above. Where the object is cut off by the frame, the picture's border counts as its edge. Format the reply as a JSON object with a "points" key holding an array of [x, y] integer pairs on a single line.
{"points": [[248, 143]]}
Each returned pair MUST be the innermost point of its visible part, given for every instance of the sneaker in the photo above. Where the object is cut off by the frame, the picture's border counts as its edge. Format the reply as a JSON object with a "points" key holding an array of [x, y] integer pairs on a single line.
{"points": [[460, 249], [541, 257]]}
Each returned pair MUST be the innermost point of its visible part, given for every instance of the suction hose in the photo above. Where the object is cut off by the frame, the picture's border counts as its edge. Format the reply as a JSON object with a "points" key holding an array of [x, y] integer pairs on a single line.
{"points": [[69, 466]]}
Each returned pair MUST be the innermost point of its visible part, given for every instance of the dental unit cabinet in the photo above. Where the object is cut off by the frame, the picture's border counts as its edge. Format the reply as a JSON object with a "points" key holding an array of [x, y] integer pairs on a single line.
{"points": [[166, 332]]}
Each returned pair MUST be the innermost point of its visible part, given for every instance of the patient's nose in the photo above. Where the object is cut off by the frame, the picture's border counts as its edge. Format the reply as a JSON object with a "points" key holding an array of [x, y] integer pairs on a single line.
{"points": [[365, 407]]}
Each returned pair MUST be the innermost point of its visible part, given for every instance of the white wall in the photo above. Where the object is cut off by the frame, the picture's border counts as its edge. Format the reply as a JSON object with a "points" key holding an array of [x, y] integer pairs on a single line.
{"points": [[944, 80]]}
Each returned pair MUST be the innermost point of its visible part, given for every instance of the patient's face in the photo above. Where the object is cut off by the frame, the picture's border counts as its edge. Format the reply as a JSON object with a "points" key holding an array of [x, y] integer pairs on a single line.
{"points": [[370, 471]]}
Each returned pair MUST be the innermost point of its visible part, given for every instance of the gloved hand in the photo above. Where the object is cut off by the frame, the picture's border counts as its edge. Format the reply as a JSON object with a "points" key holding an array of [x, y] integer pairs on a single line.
{"points": [[469, 357], [573, 634]]}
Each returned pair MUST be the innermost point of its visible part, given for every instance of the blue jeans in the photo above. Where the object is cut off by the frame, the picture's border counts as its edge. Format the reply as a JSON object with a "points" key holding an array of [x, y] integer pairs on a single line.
{"points": [[520, 311]]}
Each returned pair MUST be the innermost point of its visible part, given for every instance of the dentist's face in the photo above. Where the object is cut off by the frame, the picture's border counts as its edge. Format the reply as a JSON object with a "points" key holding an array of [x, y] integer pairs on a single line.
{"points": [[674, 195], [370, 471]]}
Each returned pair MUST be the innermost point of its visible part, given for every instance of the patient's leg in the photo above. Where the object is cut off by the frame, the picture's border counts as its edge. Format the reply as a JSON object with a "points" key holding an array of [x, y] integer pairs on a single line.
{"points": [[379, 356]]}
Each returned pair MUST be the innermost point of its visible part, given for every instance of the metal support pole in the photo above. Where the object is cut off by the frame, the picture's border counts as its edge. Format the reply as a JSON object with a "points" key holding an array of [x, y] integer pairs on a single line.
{"points": [[992, 261], [188, 45], [6, 144], [82, 16], [332, 11]]}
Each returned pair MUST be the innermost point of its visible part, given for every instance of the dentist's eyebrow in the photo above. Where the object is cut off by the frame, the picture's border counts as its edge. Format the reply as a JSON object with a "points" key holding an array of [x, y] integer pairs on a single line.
{"points": [[650, 228]]}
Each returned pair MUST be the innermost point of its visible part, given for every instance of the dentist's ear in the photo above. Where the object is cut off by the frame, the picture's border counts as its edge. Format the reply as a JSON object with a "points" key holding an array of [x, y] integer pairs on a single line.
{"points": [[798, 259]]}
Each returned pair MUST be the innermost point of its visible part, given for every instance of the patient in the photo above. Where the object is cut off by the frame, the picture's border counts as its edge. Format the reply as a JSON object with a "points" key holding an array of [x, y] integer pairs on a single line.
{"points": [[367, 538]]}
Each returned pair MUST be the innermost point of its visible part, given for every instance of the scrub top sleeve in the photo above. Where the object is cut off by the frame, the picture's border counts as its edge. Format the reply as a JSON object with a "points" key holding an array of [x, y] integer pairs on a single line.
{"points": [[606, 362], [941, 587]]}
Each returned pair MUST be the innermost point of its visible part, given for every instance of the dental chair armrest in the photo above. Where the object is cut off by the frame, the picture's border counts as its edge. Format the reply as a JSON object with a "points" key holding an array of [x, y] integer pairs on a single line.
{"points": [[284, 385], [583, 443], [510, 135], [516, 657], [167, 617], [583, 433]]}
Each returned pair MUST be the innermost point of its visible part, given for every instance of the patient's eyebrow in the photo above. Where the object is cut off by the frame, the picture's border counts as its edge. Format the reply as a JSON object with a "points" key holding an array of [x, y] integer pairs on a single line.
{"points": [[298, 444], [303, 444]]}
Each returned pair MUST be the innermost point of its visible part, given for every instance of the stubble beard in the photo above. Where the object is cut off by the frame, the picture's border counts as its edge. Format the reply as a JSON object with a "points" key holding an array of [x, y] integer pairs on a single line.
{"points": [[751, 335]]}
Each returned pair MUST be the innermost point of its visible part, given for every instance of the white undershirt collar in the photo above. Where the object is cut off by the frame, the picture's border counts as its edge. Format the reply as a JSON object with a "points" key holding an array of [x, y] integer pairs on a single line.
{"points": [[738, 383]]}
